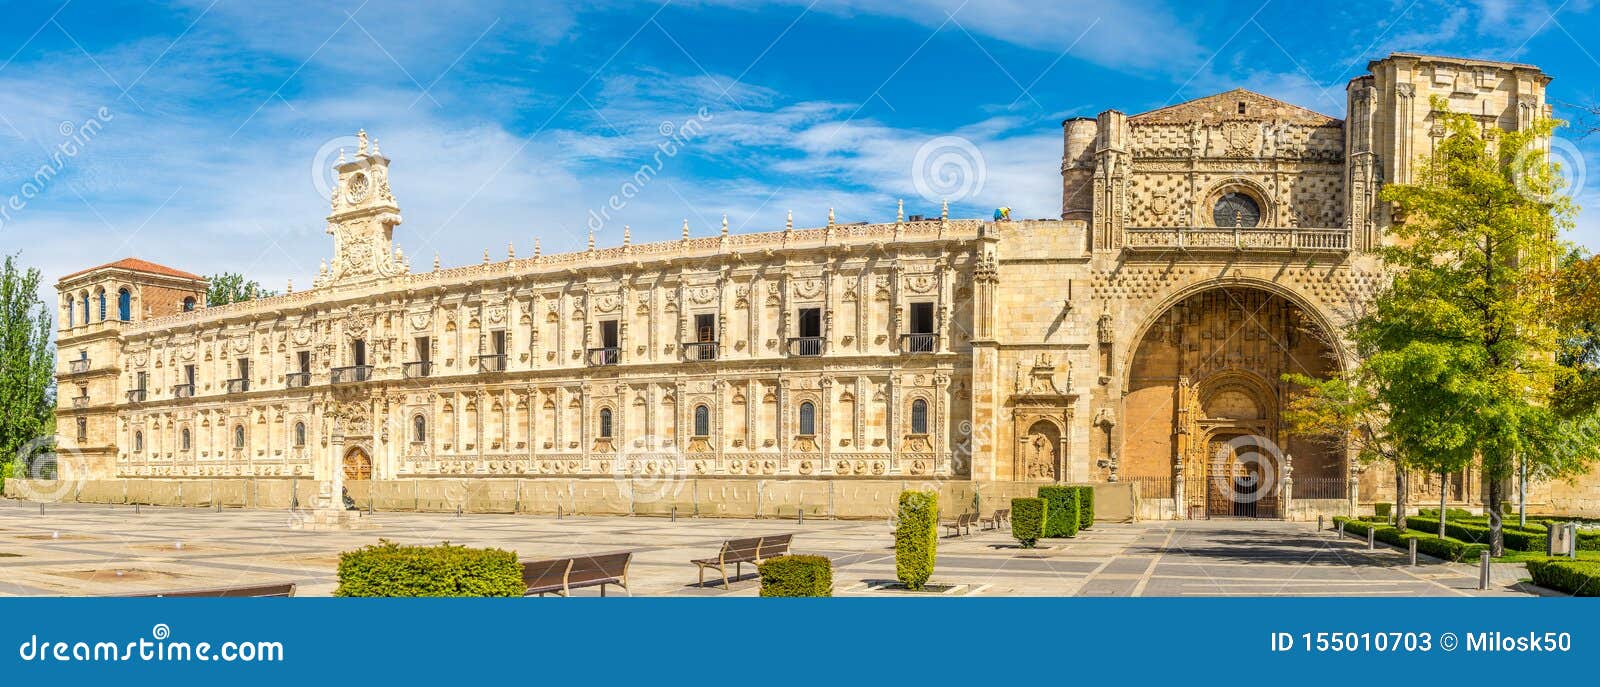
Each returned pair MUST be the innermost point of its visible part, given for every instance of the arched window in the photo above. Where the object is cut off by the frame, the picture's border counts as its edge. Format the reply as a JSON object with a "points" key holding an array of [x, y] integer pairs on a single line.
{"points": [[101, 297], [605, 423], [919, 417], [419, 429], [138, 442], [808, 419], [86, 308], [183, 440], [124, 305], [702, 421], [188, 304], [238, 436], [72, 313], [299, 434]]}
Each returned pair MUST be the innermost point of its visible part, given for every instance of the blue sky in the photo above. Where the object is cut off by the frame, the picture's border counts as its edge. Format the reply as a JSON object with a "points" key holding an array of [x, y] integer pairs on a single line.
{"points": [[507, 121]]}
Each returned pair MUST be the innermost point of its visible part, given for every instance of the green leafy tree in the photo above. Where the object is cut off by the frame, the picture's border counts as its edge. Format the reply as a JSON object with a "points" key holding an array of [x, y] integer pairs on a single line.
{"points": [[231, 287], [1348, 411], [27, 364], [1462, 342]]}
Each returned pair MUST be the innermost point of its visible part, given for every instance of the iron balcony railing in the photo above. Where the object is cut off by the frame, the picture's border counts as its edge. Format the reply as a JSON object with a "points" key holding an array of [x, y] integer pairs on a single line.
{"points": [[137, 395], [919, 343], [78, 366], [297, 379], [609, 355], [700, 350], [805, 345], [238, 386], [417, 368], [351, 374], [492, 363], [183, 391]]}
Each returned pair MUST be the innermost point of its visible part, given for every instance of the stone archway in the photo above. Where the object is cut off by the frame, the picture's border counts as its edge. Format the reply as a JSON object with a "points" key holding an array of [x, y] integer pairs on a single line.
{"points": [[1208, 370], [357, 464]]}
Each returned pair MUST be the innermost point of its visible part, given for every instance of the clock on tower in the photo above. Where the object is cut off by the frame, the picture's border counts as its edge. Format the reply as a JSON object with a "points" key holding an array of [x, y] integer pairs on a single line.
{"points": [[363, 219]]}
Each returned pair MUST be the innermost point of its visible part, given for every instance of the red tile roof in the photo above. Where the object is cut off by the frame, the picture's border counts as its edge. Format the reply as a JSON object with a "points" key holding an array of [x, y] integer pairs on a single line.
{"points": [[137, 265]]}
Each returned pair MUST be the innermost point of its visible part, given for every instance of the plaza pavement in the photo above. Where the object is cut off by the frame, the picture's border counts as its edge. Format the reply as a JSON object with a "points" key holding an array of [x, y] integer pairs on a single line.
{"points": [[79, 549]]}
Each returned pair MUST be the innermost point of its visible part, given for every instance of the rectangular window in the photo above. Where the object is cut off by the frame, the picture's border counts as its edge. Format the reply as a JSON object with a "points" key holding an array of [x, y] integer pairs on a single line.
{"points": [[921, 318], [358, 353], [705, 327], [608, 334], [810, 322], [303, 359], [188, 375], [141, 381], [497, 342], [424, 349], [244, 368]]}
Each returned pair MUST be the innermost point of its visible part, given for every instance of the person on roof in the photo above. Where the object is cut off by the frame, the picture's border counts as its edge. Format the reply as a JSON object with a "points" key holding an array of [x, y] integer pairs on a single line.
{"points": [[1002, 214]]}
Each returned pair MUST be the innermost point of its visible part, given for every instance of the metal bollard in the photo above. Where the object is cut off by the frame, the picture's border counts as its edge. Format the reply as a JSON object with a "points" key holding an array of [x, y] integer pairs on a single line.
{"points": [[1341, 530], [1483, 571], [135, 509], [1413, 542], [800, 516], [458, 511], [1319, 523], [674, 513], [1572, 540], [1372, 538], [558, 511], [41, 509]]}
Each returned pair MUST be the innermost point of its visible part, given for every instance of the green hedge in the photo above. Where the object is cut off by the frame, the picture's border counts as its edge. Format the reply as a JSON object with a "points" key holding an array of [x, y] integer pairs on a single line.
{"points": [[1062, 511], [1085, 507], [389, 569], [916, 539], [1027, 521], [1430, 544], [1578, 578], [797, 576], [1382, 510], [1515, 539], [1454, 513]]}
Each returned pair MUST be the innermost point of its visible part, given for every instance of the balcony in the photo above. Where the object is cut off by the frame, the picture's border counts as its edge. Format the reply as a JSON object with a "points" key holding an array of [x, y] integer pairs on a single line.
{"points": [[700, 350], [492, 363], [80, 401], [1279, 240], [136, 395], [609, 355], [238, 386], [919, 343], [417, 368], [78, 366], [351, 374], [183, 391], [805, 346], [297, 379]]}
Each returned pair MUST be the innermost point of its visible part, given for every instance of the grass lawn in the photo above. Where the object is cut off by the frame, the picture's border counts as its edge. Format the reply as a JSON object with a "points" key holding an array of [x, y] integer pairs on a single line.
{"points": [[1525, 556]]}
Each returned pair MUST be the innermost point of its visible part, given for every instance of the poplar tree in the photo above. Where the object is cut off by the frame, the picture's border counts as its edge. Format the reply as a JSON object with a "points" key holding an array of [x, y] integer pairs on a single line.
{"points": [[27, 364]]}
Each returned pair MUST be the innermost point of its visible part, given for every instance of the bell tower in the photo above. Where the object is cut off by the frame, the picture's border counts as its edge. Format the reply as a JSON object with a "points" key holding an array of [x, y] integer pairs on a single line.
{"points": [[363, 219]]}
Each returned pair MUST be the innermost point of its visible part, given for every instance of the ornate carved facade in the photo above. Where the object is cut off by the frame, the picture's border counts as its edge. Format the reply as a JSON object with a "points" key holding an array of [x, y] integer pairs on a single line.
{"points": [[1204, 249]]}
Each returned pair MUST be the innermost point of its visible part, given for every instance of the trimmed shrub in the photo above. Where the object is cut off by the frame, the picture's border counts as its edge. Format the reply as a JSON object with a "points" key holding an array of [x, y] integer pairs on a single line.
{"points": [[1061, 511], [1430, 544], [916, 539], [1453, 513], [1382, 510], [389, 569], [1578, 578], [1085, 507], [1027, 521], [797, 576], [1516, 539]]}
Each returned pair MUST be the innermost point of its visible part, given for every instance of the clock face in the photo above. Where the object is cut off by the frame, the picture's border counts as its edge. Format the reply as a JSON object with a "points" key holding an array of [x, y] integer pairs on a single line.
{"points": [[1236, 210], [358, 187]]}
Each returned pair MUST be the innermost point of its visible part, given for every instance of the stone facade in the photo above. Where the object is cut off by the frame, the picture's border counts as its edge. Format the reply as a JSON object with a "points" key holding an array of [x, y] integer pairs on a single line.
{"points": [[1203, 250]]}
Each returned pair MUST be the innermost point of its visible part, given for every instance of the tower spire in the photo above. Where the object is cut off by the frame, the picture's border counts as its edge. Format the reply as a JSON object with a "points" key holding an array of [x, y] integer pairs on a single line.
{"points": [[686, 229], [724, 225]]}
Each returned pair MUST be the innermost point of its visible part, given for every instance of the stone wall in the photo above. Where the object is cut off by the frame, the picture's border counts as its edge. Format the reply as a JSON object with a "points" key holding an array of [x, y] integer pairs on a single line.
{"points": [[727, 498]]}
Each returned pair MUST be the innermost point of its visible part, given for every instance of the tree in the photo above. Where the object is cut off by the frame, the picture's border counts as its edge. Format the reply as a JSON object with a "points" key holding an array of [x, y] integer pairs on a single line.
{"points": [[1463, 339], [1348, 411], [27, 363], [230, 287]]}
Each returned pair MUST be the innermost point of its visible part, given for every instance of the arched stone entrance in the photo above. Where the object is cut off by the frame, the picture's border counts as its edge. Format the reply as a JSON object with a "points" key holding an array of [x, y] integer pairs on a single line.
{"points": [[1204, 398], [357, 464]]}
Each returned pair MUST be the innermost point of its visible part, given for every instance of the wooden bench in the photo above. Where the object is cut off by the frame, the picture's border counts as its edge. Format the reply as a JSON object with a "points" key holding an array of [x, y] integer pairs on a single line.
{"points": [[260, 590], [962, 521], [1000, 517], [562, 575], [741, 551]]}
